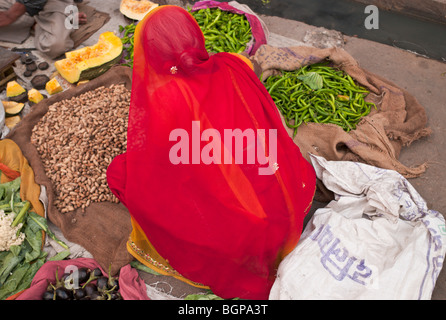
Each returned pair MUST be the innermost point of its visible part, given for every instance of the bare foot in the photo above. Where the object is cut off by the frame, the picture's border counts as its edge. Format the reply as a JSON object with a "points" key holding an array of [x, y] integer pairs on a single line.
{"points": [[82, 18]]}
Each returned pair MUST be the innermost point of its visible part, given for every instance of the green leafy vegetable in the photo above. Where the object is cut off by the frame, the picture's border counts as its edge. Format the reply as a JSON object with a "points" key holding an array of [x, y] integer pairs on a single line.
{"points": [[139, 266], [19, 264]]}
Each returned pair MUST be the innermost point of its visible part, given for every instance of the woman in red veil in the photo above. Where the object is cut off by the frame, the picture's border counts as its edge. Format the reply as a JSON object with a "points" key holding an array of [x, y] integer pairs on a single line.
{"points": [[213, 224]]}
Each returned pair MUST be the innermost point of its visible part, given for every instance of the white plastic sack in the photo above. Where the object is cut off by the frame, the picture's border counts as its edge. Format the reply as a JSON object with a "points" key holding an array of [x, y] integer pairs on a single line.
{"points": [[376, 240]]}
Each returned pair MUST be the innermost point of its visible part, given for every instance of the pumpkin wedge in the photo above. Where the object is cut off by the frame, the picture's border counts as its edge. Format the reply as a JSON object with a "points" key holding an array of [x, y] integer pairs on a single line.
{"points": [[12, 121], [34, 96], [90, 62], [136, 9], [53, 86], [15, 92], [12, 108], [14, 89]]}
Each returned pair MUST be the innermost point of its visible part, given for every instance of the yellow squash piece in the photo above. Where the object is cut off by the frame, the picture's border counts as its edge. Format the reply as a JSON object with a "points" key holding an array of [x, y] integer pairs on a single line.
{"points": [[34, 96], [136, 9], [14, 89], [12, 108], [12, 121], [90, 62], [53, 86]]}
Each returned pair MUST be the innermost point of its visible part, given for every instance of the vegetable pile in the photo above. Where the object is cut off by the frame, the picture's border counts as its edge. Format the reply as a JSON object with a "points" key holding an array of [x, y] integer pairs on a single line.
{"points": [[127, 39], [85, 284], [318, 93], [223, 31], [21, 253]]}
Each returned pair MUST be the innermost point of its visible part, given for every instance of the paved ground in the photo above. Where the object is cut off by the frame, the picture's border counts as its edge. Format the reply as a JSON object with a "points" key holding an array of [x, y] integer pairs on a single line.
{"points": [[422, 77]]}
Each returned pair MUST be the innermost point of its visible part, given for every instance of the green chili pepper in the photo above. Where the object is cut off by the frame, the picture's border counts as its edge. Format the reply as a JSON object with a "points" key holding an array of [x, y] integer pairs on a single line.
{"points": [[233, 27], [340, 101]]}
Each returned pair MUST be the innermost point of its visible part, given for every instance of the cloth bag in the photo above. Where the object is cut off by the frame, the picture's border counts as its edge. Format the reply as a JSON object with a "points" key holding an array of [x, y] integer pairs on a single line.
{"points": [[376, 240]]}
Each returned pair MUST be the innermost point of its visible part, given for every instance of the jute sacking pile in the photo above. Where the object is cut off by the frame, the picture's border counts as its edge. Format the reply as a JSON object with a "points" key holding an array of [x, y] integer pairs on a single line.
{"points": [[77, 139], [379, 137]]}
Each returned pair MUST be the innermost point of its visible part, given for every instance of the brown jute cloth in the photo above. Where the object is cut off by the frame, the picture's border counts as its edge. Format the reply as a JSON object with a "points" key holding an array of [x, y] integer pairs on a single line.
{"points": [[103, 229], [379, 137], [95, 20]]}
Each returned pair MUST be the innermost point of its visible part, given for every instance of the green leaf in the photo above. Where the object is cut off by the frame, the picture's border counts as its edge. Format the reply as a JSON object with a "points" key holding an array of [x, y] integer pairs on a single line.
{"points": [[139, 266], [34, 240], [9, 188], [312, 79], [13, 280], [43, 224], [60, 256], [204, 296], [15, 250], [9, 263]]}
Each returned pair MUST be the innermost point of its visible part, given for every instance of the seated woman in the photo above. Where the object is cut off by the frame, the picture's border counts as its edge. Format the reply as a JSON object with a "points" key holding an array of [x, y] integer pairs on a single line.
{"points": [[216, 189], [47, 17]]}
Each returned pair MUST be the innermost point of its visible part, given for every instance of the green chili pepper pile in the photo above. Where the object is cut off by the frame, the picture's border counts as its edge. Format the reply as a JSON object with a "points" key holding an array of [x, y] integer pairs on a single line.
{"points": [[223, 31], [127, 40], [318, 93]]}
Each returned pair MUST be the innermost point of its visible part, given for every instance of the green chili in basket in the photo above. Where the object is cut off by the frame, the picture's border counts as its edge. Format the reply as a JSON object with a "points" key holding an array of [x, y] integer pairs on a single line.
{"points": [[223, 31], [318, 93]]}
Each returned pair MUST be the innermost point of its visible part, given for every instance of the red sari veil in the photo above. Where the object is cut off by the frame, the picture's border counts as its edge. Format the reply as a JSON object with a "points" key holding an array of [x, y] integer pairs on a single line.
{"points": [[221, 224]]}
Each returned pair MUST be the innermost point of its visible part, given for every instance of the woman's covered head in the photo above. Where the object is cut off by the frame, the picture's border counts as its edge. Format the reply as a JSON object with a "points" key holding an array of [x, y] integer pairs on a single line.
{"points": [[170, 36]]}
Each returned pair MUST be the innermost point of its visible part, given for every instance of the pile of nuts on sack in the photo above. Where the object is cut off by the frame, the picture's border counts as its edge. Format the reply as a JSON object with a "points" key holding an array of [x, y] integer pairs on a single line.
{"points": [[77, 139]]}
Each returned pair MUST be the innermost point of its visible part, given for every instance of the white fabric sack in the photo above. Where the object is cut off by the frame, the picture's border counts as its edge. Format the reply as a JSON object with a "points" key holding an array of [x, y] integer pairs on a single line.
{"points": [[376, 240]]}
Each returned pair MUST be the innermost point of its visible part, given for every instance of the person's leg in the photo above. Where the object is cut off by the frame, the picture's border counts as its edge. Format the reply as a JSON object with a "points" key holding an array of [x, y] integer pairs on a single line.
{"points": [[19, 29], [52, 37]]}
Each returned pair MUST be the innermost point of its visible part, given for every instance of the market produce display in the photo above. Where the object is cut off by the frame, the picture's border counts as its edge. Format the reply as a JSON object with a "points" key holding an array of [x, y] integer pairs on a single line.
{"points": [[90, 62], [318, 93], [136, 9], [77, 139], [88, 285], [21, 253], [127, 37], [223, 31]]}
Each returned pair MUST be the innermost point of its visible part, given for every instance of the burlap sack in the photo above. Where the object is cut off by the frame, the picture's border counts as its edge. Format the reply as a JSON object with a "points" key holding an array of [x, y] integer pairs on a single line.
{"points": [[379, 137], [103, 229]]}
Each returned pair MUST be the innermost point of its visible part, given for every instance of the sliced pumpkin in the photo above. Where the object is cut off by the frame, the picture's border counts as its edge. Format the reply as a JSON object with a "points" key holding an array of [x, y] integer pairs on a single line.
{"points": [[53, 86], [14, 89], [12, 121], [12, 108], [136, 9], [35, 96], [90, 62]]}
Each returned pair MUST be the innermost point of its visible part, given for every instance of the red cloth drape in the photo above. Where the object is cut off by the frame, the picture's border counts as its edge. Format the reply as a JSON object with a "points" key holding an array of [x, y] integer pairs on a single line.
{"points": [[222, 225]]}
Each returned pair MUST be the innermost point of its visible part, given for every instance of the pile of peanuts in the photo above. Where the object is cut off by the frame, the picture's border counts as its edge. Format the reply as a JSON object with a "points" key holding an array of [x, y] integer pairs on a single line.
{"points": [[77, 139]]}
